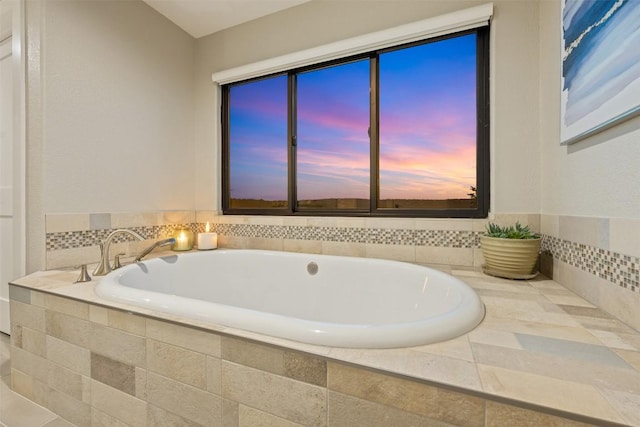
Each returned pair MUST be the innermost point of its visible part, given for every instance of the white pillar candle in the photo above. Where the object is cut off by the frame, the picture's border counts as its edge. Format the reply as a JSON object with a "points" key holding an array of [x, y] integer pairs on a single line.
{"points": [[207, 240]]}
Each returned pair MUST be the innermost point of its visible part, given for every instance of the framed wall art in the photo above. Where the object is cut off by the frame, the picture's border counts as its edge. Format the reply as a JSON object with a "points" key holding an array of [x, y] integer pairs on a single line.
{"points": [[600, 66]]}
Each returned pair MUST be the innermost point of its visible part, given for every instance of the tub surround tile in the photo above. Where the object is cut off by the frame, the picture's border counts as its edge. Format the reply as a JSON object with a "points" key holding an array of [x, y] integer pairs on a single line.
{"points": [[58, 422], [22, 384], [183, 336], [615, 300], [230, 413], [177, 217], [550, 225], [68, 382], [406, 395], [404, 253], [19, 294], [76, 412], [627, 404], [549, 392], [117, 345], [526, 311], [118, 404], [113, 373], [68, 328], [482, 283], [618, 340], [631, 356], [305, 368], [99, 221], [344, 249], [347, 411], [180, 364], [100, 419], [188, 402], [585, 230], [60, 223], [127, 322], [303, 246], [290, 399], [99, 315], [69, 355], [624, 236], [569, 299], [585, 312], [27, 315], [66, 306], [457, 348], [525, 340], [214, 375], [559, 368], [547, 330], [611, 325], [444, 255], [158, 417], [501, 415], [443, 369], [494, 338], [250, 417], [34, 341], [131, 220], [570, 349]]}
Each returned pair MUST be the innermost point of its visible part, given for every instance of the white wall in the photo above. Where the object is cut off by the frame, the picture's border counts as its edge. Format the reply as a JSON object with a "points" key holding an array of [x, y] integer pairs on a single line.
{"points": [[515, 184], [111, 119], [599, 176]]}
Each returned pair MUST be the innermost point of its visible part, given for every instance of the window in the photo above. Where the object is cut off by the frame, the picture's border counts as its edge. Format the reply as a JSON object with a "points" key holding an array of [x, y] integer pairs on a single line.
{"points": [[401, 131]]}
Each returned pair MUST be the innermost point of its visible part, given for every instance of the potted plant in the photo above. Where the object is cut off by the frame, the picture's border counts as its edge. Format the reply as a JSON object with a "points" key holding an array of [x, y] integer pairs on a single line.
{"points": [[510, 252]]}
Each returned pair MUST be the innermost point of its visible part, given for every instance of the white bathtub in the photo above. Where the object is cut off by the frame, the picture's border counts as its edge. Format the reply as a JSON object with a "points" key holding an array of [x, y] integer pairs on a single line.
{"points": [[316, 299]]}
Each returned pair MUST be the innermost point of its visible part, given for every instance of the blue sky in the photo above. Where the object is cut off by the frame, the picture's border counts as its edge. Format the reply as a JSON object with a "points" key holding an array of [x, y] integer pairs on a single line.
{"points": [[427, 128]]}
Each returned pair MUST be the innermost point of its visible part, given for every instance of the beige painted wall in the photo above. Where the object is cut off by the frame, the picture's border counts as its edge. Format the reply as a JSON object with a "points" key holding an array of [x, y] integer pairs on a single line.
{"points": [[110, 112], [515, 184], [598, 176], [117, 96]]}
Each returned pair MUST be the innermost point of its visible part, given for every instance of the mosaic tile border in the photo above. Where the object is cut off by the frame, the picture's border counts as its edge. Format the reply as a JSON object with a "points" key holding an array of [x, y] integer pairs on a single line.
{"points": [[622, 270], [86, 238], [435, 238], [619, 269]]}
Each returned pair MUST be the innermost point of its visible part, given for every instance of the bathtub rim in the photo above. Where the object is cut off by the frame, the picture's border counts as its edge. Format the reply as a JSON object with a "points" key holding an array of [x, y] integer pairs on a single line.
{"points": [[465, 317]]}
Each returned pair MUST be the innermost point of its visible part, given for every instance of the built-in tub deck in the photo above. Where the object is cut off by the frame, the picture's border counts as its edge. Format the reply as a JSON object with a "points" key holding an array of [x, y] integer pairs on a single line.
{"points": [[540, 347]]}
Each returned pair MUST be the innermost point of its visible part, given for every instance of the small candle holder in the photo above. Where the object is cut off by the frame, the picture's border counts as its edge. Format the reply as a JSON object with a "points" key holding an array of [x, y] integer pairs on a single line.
{"points": [[207, 240], [184, 239]]}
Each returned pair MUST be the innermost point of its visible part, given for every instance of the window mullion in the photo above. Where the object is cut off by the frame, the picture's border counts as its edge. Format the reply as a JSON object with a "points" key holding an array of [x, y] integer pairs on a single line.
{"points": [[292, 141], [373, 134]]}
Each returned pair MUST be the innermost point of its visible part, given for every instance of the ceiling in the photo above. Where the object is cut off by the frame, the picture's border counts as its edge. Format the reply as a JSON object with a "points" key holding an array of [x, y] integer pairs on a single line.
{"points": [[203, 17]]}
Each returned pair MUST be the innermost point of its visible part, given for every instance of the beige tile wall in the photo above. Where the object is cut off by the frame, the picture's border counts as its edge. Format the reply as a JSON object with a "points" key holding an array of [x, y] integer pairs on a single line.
{"points": [[121, 369]]}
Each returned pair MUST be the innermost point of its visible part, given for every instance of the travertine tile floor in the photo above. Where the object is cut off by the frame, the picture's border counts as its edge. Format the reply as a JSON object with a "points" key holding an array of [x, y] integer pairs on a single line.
{"points": [[15, 410]]}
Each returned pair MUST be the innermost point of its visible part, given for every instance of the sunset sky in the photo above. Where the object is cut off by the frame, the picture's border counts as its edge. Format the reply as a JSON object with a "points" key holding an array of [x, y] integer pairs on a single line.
{"points": [[427, 128]]}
